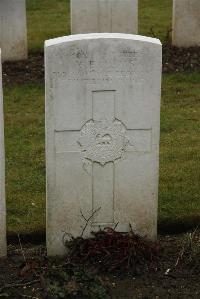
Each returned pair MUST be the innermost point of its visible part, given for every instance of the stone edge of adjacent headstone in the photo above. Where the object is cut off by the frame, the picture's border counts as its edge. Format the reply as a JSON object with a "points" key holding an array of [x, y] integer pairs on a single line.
{"points": [[3, 246], [134, 31], [24, 55], [179, 40]]}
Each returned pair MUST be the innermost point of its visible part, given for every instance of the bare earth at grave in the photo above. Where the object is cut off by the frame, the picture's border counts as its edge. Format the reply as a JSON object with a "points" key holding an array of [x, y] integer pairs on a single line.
{"points": [[28, 273]]}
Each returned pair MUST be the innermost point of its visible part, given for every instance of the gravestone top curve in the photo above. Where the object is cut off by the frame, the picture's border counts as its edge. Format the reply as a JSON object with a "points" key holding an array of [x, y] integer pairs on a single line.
{"points": [[77, 37]]}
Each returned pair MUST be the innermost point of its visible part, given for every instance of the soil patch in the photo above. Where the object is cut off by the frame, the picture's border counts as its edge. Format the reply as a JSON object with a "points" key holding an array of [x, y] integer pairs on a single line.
{"points": [[32, 70], [180, 59], [26, 71], [27, 273], [169, 281]]}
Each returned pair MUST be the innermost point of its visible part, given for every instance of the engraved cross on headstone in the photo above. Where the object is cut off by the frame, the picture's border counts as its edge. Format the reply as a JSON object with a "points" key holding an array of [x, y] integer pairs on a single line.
{"points": [[102, 142]]}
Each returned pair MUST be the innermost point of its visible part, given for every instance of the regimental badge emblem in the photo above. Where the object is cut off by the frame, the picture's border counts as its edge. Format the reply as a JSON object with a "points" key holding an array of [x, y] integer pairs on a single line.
{"points": [[103, 141]]}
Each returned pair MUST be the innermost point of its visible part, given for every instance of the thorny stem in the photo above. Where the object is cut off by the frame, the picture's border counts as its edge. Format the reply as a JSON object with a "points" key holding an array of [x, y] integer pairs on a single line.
{"points": [[21, 248]]}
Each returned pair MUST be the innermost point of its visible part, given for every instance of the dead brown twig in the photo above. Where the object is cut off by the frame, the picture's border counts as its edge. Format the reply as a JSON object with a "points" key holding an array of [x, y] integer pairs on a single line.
{"points": [[18, 285], [21, 248], [87, 220], [110, 250], [186, 249]]}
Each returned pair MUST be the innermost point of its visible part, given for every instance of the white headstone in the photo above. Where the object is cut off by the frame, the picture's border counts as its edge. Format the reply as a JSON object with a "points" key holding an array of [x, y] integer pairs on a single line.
{"points": [[186, 23], [102, 134], [2, 176], [13, 32], [89, 16]]}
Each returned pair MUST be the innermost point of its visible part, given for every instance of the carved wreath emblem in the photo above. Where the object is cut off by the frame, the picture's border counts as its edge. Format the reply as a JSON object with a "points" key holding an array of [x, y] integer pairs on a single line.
{"points": [[103, 141]]}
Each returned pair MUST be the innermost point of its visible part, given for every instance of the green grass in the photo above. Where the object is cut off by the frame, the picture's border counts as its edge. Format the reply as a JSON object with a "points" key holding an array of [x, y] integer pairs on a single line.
{"points": [[46, 19], [179, 153], [155, 18], [25, 167], [51, 18]]}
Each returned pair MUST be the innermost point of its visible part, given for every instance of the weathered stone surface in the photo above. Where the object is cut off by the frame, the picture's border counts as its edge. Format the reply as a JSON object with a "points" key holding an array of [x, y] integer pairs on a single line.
{"points": [[102, 134], [89, 16], [2, 176], [13, 32], [186, 23]]}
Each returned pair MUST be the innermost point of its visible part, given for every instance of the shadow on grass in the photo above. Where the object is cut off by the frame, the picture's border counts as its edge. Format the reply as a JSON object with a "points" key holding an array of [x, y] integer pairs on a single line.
{"points": [[165, 227]]}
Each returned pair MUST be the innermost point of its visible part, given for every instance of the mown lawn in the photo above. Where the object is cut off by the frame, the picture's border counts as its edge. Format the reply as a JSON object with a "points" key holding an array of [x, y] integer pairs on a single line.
{"points": [[51, 18], [179, 154], [25, 167], [179, 196]]}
